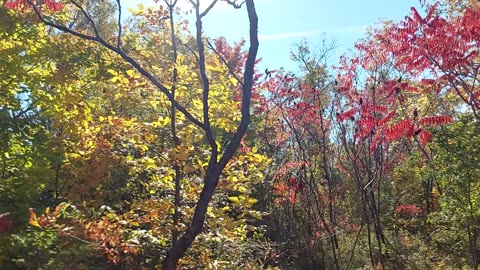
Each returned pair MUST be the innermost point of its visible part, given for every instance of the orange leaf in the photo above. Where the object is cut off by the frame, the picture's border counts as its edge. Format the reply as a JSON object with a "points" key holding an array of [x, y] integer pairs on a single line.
{"points": [[32, 218]]}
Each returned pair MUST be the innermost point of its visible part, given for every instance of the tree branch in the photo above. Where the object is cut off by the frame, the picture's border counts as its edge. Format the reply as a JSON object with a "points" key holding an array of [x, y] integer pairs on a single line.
{"points": [[214, 171], [234, 3], [95, 30], [119, 35], [247, 86], [208, 9], [125, 57], [206, 84]]}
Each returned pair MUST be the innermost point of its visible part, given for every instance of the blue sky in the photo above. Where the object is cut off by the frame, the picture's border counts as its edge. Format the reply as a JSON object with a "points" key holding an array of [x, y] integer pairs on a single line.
{"points": [[283, 23]]}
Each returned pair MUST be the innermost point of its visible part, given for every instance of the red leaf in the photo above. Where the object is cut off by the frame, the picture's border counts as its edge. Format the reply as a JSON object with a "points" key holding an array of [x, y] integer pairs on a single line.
{"points": [[436, 120], [346, 115], [399, 130], [374, 108], [17, 4], [365, 126], [431, 11], [387, 118], [412, 89], [427, 82], [280, 188], [425, 136], [417, 16], [292, 197]]}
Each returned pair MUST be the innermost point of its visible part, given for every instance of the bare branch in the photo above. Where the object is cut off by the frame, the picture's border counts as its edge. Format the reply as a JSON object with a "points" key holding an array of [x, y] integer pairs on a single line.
{"points": [[119, 35], [208, 9], [72, 23], [206, 84], [95, 30], [191, 50], [247, 86], [170, 5], [195, 3], [234, 3]]}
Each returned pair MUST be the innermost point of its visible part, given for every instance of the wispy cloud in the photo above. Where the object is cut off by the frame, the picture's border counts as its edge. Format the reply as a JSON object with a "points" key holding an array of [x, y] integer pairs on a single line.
{"points": [[356, 29], [289, 35]]}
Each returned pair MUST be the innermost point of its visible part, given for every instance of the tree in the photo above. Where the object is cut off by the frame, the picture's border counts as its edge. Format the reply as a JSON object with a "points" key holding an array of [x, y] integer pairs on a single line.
{"points": [[445, 49], [295, 128], [404, 82], [217, 160], [455, 166]]}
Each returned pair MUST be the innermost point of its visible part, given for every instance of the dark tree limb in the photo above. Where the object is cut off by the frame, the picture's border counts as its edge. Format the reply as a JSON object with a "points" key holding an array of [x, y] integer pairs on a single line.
{"points": [[214, 171], [205, 80], [119, 22]]}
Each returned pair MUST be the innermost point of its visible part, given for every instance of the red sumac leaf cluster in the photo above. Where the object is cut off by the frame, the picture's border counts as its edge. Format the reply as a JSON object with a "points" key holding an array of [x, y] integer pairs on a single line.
{"points": [[404, 128], [425, 136], [24, 5], [435, 120], [346, 115]]}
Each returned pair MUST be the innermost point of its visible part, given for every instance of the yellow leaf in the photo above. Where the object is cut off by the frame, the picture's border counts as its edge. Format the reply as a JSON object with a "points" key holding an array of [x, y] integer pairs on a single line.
{"points": [[124, 80], [154, 103], [229, 224], [150, 163], [59, 208], [130, 72], [249, 202], [233, 81], [161, 122], [233, 199], [241, 188], [113, 72], [85, 124], [133, 11], [138, 11], [256, 215]]}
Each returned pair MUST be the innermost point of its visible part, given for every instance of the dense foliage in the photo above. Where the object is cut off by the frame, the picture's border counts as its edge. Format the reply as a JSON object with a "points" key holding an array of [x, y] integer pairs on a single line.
{"points": [[124, 143]]}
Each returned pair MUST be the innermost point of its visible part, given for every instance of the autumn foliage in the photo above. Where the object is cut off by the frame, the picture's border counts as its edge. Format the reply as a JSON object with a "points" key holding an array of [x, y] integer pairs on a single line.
{"points": [[444, 48], [139, 144], [24, 5]]}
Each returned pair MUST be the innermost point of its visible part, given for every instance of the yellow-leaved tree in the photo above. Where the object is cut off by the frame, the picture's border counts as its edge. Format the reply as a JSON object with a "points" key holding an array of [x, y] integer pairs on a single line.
{"points": [[173, 110]]}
